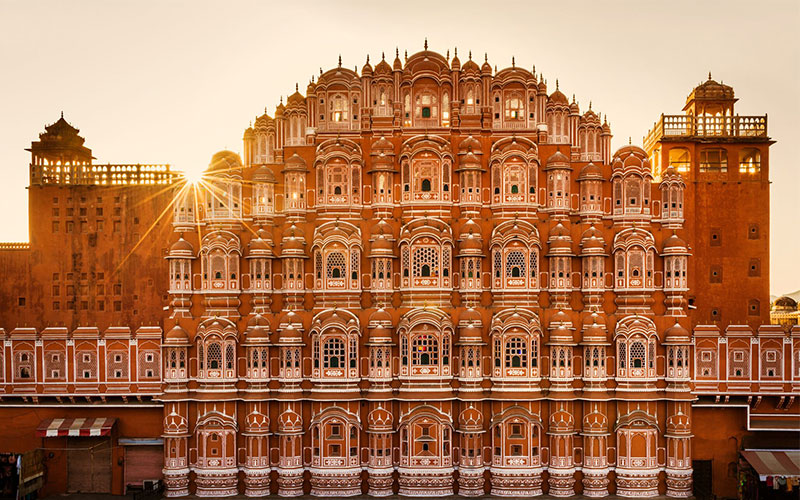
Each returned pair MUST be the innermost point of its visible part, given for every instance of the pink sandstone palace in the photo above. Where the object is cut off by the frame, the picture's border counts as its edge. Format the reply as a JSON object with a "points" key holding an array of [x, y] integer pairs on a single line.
{"points": [[427, 277]]}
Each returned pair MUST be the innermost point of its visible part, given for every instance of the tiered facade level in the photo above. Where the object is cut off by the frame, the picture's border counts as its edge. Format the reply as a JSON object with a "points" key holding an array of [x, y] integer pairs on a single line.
{"points": [[433, 278]]}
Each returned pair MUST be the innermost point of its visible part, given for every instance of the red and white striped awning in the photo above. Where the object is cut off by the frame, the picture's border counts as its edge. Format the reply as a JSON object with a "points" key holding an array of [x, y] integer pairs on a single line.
{"points": [[53, 427], [774, 462]]}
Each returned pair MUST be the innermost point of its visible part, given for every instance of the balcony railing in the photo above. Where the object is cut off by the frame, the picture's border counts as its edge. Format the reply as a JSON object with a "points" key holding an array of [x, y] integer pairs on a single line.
{"points": [[707, 126], [88, 174]]}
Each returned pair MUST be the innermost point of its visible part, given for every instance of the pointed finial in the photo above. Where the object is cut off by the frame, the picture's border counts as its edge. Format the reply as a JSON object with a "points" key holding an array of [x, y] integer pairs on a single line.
{"points": [[534, 70], [495, 68], [383, 56], [513, 62], [367, 58], [62, 114], [426, 43], [397, 52], [590, 105], [296, 87], [265, 110], [281, 99], [485, 57], [340, 60], [320, 71], [455, 52], [470, 55], [709, 75], [573, 98], [406, 54], [448, 55], [630, 141], [556, 83]]}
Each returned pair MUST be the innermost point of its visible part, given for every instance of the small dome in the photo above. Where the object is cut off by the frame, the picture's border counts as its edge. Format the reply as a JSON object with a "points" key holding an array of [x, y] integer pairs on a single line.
{"points": [[560, 318], [674, 242], [486, 68], [590, 172], [224, 161], [257, 320], [786, 303], [290, 334], [558, 97], [398, 64], [261, 244], [379, 420], [470, 420], [455, 64], [383, 67], [296, 99], [381, 228], [290, 421], [176, 335], [381, 243], [181, 249], [469, 144], [257, 328], [366, 70], [631, 158], [676, 334], [592, 238], [574, 108], [471, 315], [594, 329], [380, 316], [382, 145], [558, 161], [264, 174], [296, 162], [379, 335], [470, 229], [470, 66]]}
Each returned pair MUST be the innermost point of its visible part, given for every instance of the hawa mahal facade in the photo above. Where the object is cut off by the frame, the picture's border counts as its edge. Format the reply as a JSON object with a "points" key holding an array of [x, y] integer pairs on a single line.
{"points": [[430, 277]]}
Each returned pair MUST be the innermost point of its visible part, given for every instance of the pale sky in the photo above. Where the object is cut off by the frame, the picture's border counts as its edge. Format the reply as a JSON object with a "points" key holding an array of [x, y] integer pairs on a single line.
{"points": [[174, 81]]}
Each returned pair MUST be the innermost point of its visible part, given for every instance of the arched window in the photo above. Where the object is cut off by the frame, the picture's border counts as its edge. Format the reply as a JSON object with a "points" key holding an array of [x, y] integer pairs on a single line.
{"points": [[424, 350], [333, 353], [749, 161], [679, 159], [516, 353], [426, 107], [339, 107], [217, 358], [714, 160], [514, 107]]}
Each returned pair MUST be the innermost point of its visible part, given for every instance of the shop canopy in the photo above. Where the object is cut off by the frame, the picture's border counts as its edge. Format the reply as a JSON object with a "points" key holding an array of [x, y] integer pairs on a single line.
{"points": [[784, 463], [53, 427]]}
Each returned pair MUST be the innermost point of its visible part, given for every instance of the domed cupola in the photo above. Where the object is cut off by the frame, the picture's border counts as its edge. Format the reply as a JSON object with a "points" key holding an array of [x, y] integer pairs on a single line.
{"points": [[470, 326], [592, 242], [181, 249], [257, 330], [261, 245], [559, 241], [177, 336], [293, 242], [470, 241]]}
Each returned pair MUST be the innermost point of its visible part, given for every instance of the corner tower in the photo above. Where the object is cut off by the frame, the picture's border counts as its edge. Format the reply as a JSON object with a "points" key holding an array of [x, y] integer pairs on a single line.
{"points": [[724, 158]]}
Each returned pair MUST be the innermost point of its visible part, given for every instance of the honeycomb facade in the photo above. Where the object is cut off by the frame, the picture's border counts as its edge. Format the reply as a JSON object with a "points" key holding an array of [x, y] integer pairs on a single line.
{"points": [[433, 278]]}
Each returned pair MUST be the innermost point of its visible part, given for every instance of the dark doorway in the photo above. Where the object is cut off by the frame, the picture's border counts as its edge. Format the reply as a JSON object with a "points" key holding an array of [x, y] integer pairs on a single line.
{"points": [[702, 479]]}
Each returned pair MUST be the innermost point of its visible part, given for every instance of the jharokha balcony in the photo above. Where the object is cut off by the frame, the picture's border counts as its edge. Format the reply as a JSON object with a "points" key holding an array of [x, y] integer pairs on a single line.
{"points": [[685, 126]]}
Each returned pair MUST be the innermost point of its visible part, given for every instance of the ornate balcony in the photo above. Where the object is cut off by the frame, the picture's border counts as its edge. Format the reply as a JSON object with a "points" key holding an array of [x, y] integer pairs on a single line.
{"points": [[706, 126]]}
